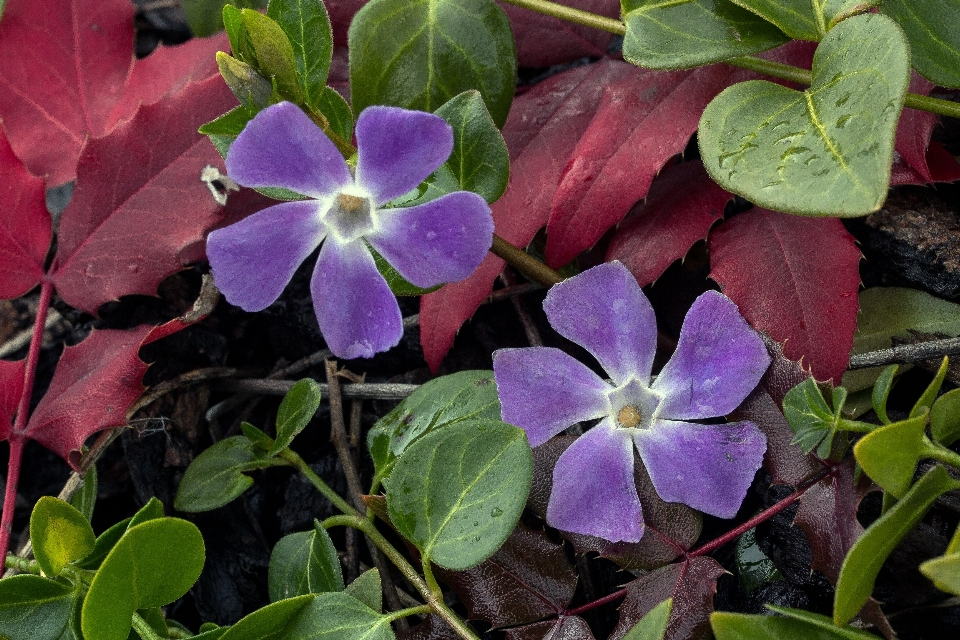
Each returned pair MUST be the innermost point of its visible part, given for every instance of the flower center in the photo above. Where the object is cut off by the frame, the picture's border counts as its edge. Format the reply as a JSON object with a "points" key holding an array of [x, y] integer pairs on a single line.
{"points": [[349, 203], [633, 405], [629, 417], [349, 217]]}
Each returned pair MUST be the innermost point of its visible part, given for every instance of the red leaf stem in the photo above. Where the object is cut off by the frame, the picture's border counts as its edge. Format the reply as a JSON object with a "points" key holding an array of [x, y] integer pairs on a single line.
{"points": [[599, 602]]}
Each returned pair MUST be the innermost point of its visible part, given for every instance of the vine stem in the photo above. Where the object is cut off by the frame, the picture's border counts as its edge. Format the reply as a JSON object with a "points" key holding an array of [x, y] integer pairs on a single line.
{"points": [[524, 262], [143, 628], [753, 63], [17, 439]]}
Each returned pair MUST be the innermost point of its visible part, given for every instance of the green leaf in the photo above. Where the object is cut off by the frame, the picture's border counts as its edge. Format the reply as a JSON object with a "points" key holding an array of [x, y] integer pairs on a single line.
{"points": [[811, 418], [327, 616], [825, 151], [681, 34], [150, 511], [438, 403], [34, 608], [754, 567], [890, 454], [216, 476], [881, 391], [274, 53], [796, 626], [60, 535], [337, 112], [251, 88], [803, 19], [368, 589], [205, 17], [307, 27], [480, 160], [652, 626], [925, 402], [862, 564], [945, 418], [302, 563], [931, 28], [105, 542], [944, 572], [456, 493], [295, 413], [439, 48], [231, 123], [259, 440], [153, 564], [85, 499], [399, 285]]}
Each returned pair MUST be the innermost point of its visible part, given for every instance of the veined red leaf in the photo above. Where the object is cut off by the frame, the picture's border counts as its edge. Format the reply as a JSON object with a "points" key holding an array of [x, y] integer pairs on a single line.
{"points": [[541, 131], [942, 166], [794, 278], [684, 202], [24, 226], [544, 40], [11, 388], [139, 200], [914, 130], [691, 584], [653, 113], [562, 628]]}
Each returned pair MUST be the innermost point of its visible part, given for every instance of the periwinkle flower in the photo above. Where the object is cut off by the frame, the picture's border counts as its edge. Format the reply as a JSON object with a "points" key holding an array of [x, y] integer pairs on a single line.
{"points": [[719, 359], [440, 241]]}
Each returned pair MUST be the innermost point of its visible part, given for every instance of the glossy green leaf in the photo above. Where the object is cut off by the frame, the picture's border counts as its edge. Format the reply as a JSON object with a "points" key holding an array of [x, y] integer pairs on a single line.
{"points": [[825, 151], [152, 565], [881, 391], [480, 160], [251, 88], [34, 608], [275, 59], [457, 492], [327, 616], [803, 19], [811, 418], [863, 562], [945, 418], [368, 589], [438, 403], [931, 28], [296, 411], [652, 626], [672, 34], [889, 455], [925, 402], [795, 625], [302, 563], [205, 17], [60, 535], [337, 112], [105, 542], [754, 567], [439, 48], [216, 477], [307, 27], [85, 499]]}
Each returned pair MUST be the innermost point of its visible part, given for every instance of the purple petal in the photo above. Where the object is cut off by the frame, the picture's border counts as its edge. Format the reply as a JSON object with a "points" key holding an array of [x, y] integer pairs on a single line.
{"points": [[593, 488], [397, 149], [443, 240], [357, 312], [254, 259], [706, 466], [543, 391], [604, 311], [282, 147], [718, 362]]}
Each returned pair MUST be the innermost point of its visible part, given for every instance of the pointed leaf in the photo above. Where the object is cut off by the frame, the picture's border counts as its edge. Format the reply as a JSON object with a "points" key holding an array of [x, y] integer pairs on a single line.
{"points": [[34, 608], [799, 624], [691, 33], [652, 626], [945, 418], [811, 418], [307, 26], [304, 562], [85, 499], [922, 406], [295, 413], [825, 151], [934, 43], [368, 589], [560, 628], [806, 20], [216, 477], [59, 534], [889, 454], [274, 53]]}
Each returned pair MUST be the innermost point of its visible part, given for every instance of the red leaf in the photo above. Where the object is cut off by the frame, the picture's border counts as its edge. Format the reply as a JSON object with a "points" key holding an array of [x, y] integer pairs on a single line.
{"points": [[139, 200], [794, 278], [541, 131], [11, 388], [691, 584], [942, 165], [24, 226], [914, 130], [653, 113], [543, 40], [683, 204], [562, 628]]}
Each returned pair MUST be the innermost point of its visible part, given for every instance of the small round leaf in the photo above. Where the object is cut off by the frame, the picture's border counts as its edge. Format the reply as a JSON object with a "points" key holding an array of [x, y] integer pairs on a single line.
{"points": [[60, 535]]}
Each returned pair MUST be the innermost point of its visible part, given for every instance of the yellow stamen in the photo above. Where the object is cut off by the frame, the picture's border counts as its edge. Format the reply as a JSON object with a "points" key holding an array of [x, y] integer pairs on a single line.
{"points": [[349, 203], [629, 417]]}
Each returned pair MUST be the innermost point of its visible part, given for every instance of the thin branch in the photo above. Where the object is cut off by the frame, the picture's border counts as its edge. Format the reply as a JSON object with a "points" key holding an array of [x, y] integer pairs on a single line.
{"points": [[367, 390], [906, 353], [523, 311], [524, 262]]}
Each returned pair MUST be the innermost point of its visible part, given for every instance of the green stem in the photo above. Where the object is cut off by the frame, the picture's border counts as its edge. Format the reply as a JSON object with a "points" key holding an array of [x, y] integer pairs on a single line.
{"points": [[297, 463], [855, 426], [422, 610], [940, 453], [524, 262], [753, 63], [428, 576], [21, 565], [143, 628]]}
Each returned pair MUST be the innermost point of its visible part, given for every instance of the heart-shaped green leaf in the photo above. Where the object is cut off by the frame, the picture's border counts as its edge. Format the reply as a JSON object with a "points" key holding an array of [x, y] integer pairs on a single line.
{"points": [[672, 34], [34, 608], [304, 562], [295, 413], [153, 564], [456, 493], [825, 151], [933, 29], [889, 455], [307, 27], [60, 535], [803, 19]]}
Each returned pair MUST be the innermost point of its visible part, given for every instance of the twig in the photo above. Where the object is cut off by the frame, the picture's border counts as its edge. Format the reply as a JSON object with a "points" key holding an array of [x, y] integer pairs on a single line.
{"points": [[524, 262], [523, 312], [22, 339], [367, 391], [906, 353]]}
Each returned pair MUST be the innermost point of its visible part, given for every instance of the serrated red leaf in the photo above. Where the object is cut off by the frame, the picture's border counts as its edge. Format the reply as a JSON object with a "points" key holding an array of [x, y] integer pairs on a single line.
{"points": [[543, 40], [11, 388], [691, 584], [541, 131], [942, 165], [794, 278], [528, 579], [653, 113], [139, 200], [915, 128], [24, 226], [684, 202], [562, 628]]}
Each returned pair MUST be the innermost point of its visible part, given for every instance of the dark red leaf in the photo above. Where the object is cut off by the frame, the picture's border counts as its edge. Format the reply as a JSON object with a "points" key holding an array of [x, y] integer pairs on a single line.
{"points": [[683, 204], [528, 579], [11, 388], [942, 165], [541, 131], [794, 278], [691, 584], [543, 40], [433, 628], [653, 113], [563, 628], [914, 130], [24, 226], [139, 200]]}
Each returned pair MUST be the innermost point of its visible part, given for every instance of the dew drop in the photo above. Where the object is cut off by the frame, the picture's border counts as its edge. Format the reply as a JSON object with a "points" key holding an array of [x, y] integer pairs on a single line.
{"points": [[496, 512]]}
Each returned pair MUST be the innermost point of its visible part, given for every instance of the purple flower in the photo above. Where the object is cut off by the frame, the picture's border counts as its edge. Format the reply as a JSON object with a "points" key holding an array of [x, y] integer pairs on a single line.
{"points": [[718, 361], [440, 241]]}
